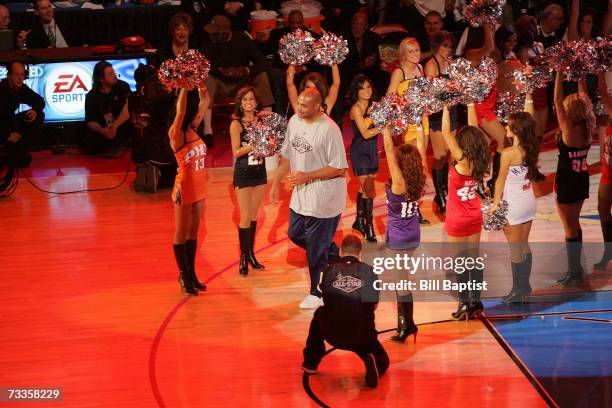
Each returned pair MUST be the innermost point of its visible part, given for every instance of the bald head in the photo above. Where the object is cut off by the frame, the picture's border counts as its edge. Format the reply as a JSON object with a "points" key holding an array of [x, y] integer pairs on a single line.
{"points": [[552, 18], [309, 104]]}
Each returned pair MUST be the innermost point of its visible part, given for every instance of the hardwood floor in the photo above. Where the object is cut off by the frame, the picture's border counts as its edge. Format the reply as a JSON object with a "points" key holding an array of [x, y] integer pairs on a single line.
{"points": [[90, 303]]}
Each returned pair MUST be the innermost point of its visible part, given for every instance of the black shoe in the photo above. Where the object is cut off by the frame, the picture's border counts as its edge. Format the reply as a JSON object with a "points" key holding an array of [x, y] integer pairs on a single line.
{"points": [[186, 286], [574, 274], [371, 377], [404, 332], [520, 282], [440, 197], [243, 238], [571, 278], [251, 254], [463, 312], [191, 246], [422, 220], [476, 309], [243, 269]]}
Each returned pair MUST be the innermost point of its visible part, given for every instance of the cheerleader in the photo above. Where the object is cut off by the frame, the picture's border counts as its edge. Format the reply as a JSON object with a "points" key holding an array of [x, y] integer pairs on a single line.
{"points": [[189, 192], [469, 150], [408, 70], [576, 119], [604, 196], [249, 176], [442, 46], [479, 45], [364, 153], [518, 169], [403, 191], [315, 80]]}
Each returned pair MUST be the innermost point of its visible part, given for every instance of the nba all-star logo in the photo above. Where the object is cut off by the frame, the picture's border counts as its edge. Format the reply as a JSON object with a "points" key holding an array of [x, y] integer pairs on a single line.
{"points": [[301, 145], [347, 283]]}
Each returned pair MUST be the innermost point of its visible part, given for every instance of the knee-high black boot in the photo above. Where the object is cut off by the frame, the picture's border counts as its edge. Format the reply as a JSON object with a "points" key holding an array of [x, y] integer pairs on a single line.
{"points": [[521, 289], [370, 235], [243, 237], [438, 181], [422, 220], [191, 248], [495, 173], [606, 229], [184, 271], [406, 305], [444, 183], [476, 306], [573, 247], [359, 224], [251, 254], [463, 310]]}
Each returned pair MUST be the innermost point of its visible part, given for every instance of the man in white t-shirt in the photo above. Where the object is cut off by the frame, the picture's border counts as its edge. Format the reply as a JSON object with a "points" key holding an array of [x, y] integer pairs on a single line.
{"points": [[314, 153]]}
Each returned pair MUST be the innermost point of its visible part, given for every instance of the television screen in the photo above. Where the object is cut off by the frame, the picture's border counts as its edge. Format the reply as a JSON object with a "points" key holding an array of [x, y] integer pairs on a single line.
{"points": [[65, 84]]}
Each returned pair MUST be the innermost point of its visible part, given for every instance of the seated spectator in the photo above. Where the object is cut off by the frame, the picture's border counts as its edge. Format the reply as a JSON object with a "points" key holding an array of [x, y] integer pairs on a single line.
{"points": [[236, 61], [5, 17], [149, 109], [44, 32], [433, 24], [549, 27], [18, 131], [363, 56], [346, 319], [103, 105]]}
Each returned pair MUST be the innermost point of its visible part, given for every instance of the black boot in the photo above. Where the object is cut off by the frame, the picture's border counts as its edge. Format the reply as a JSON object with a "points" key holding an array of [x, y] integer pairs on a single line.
{"points": [[359, 224], [444, 184], [480, 190], [251, 254], [521, 289], [494, 174], [370, 235], [184, 271], [422, 220], [243, 237], [573, 247], [439, 198], [476, 306], [400, 318], [408, 327], [463, 309], [606, 229], [191, 248]]}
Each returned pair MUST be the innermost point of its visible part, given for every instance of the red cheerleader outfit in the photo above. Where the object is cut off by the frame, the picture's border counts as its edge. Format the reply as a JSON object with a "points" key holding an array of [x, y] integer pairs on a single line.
{"points": [[485, 110], [463, 215], [190, 182]]}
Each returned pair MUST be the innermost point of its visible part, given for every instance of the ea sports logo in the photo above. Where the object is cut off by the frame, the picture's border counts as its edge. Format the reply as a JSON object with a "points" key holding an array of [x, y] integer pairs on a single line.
{"points": [[66, 88]]}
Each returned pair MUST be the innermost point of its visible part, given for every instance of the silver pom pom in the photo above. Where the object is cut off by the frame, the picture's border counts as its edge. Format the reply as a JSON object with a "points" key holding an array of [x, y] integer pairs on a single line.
{"points": [[494, 220], [483, 12], [189, 70], [476, 83], [390, 111], [507, 104], [529, 78], [266, 134], [296, 48], [330, 49]]}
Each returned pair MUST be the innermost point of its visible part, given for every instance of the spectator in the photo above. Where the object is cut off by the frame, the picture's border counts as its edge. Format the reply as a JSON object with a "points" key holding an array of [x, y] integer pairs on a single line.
{"points": [[18, 131], [550, 24], [5, 17], [202, 11], [103, 105], [236, 61], [363, 57], [346, 320], [149, 107], [411, 15], [45, 31], [433, 24], [314, 152]]}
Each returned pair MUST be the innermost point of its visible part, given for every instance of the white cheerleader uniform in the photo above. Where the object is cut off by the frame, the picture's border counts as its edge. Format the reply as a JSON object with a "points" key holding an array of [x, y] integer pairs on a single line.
{"points": [[519, 195]]}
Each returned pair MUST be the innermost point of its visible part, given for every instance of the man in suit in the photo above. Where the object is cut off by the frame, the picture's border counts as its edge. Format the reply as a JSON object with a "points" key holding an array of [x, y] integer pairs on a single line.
{"points": [[45, 32]]}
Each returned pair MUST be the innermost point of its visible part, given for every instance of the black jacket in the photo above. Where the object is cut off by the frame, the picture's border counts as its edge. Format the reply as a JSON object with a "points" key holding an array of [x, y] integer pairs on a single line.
{"points": [[370, 43], [37, 38], [240, 51], [349, 301], [10, 101]]}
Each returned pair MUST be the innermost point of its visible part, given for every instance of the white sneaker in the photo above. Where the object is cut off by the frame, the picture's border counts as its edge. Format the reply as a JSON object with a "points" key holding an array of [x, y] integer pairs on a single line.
{"points": [[311, 302]]}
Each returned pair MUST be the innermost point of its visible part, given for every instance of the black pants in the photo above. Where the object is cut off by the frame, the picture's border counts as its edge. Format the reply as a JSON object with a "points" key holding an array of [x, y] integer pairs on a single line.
{"points": [[315, 347], [17, 152]]}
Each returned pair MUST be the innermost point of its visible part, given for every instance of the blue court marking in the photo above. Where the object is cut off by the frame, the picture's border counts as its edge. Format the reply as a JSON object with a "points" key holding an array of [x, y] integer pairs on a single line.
{"points": [[551, 304], [571, 360], [590, 217]]}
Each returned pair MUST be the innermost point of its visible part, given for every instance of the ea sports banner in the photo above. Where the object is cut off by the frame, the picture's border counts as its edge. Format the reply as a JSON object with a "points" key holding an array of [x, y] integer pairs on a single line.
{"points": [[64, 85]]}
